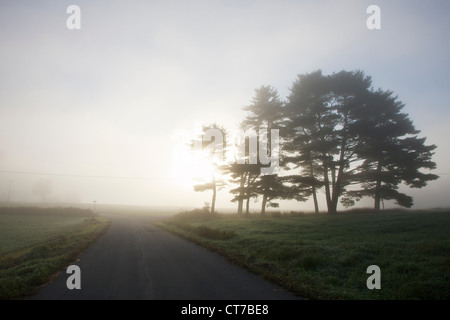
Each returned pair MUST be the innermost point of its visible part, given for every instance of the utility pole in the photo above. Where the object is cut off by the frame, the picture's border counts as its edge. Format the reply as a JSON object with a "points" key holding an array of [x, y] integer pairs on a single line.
{"points": [[9, 191], [95, 202]]}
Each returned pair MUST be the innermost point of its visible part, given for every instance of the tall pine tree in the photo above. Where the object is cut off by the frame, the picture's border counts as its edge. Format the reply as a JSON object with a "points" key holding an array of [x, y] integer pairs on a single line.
{"points": [[264, 112], [392, 152]]}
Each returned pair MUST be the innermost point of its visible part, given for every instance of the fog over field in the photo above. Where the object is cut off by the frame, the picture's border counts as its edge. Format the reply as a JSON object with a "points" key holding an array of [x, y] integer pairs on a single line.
{"points": [[100, 113]]}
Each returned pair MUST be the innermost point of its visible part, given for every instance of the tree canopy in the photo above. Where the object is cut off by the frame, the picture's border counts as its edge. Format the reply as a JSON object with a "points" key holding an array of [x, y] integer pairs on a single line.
{"points": [[339, 137]]}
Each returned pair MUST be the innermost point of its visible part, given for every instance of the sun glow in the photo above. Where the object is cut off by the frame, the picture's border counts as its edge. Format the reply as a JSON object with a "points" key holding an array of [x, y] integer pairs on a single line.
{"points": [[189, 168], [193, 166], [190, 171]]}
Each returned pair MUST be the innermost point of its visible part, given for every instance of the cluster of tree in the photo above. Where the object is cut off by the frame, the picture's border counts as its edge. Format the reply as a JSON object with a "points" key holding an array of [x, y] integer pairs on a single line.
{"points": [[339, 136]]}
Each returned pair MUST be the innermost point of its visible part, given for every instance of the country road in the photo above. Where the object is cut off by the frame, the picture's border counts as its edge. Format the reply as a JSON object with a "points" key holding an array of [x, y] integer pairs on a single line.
{"points": [[137, 260]]}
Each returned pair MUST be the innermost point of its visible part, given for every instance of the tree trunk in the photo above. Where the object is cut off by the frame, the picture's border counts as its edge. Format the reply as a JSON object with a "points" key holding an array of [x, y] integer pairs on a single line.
{"points": [[263, 206], [378, 188], [247, 206], [316, 203], [313, 188], [327, 189], [337, 179], [333, 206], [335, 192], [240, 205], [337, 189], [241, 194], [213, 201]]}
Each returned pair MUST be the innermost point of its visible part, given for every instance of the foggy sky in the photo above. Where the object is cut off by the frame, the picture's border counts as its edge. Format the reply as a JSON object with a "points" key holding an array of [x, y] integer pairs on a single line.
{"points": [[104, 104]]}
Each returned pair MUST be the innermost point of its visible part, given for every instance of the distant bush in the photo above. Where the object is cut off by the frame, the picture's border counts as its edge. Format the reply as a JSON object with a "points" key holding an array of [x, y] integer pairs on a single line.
{"points": [[388, 210], [297, 213], [276, 215], [194, 214], [214, 234]]}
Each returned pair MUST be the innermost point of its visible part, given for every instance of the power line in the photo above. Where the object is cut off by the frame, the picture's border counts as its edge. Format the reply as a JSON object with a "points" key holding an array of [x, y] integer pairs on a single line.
{"points": [[81, 175]]}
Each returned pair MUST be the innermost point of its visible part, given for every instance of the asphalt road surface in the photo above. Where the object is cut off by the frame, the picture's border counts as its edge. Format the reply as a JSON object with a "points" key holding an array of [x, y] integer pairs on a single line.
{"points": [[137, 260]]}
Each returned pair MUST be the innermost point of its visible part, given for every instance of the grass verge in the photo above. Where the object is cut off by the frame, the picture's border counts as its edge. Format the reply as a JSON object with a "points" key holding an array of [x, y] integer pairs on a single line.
{"points": [[27, 267], [326, 256]]}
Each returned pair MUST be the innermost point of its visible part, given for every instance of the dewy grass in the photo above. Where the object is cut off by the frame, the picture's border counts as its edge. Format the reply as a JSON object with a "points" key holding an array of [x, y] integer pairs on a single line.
{"points": [[18, 232], [30, 265], [326, 256]]}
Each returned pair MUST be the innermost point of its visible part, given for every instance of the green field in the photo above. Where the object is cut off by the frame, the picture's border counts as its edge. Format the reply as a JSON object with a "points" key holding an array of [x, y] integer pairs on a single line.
{"points": [[37, 243], [17, 232], [326, 256]]}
